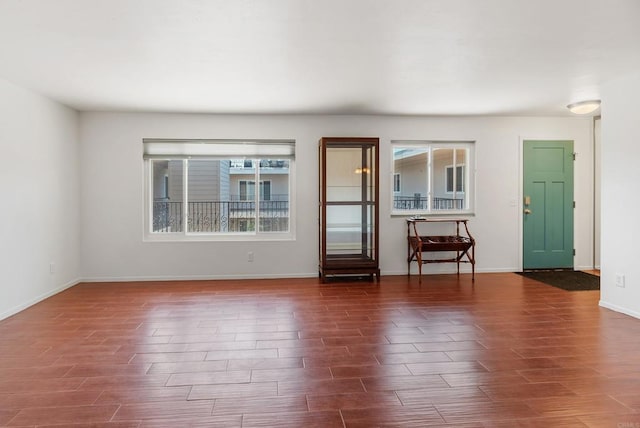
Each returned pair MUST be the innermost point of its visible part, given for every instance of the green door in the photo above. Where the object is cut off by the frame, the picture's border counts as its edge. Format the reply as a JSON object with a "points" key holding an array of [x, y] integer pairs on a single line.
{"points": [[548, 205]]}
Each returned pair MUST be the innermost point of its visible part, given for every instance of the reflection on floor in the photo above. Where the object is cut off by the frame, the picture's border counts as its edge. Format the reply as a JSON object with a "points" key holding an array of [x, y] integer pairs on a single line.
{"points": [[501, 352]]}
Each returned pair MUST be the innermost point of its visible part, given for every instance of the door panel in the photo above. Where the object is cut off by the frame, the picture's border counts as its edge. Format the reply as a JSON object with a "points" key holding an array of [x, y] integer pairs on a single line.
{"points": [[548, 216], [556, 215], [536, 222]]}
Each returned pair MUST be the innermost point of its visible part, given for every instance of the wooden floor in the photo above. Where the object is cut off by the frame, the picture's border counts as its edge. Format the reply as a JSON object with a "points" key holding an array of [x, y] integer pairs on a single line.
{"points": [[506, 352]]}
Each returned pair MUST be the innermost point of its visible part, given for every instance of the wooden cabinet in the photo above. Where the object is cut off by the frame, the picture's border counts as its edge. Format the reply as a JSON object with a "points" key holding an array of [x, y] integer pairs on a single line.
{"points": [[348, 207]]}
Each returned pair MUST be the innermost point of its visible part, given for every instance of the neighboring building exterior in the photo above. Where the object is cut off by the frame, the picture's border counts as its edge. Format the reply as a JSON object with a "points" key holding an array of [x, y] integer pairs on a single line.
{"points": [[221, 195], [413, 172]]}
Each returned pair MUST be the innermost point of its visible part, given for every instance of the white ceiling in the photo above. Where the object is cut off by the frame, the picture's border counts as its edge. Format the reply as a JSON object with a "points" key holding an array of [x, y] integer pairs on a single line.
{"points": [[431, 57]]}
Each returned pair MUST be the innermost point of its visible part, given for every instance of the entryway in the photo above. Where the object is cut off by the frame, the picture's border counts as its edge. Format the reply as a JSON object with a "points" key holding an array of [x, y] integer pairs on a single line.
{"points": [[548, 204]]}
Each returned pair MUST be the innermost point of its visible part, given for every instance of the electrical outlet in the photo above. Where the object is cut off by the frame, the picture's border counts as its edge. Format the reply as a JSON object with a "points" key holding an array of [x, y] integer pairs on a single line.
{"points": [[250, 256], [620, 280], [52, 267]]}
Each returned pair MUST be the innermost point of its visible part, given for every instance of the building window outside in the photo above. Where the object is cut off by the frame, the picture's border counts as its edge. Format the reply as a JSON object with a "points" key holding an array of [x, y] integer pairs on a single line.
{"points": [[192, 189], [459, 179], [247, 190], [429, 185], [165, 187], [396, 183]]}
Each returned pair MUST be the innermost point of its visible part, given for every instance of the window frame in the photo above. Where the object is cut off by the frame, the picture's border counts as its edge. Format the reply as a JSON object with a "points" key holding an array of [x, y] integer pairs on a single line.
{"points": [[469, 187], [185, 235]]}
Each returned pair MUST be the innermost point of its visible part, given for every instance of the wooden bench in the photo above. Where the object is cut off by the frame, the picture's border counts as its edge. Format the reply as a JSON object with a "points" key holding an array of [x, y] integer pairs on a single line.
{"points": [[417, 244]]}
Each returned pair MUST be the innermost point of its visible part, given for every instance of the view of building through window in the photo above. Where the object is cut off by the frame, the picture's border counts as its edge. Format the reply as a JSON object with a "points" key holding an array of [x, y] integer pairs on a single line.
{"points": [[221, 196], [425, 171]]}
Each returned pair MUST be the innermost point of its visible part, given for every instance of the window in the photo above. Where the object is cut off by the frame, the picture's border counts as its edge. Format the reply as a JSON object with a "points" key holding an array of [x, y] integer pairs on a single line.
{"points": [[396, 183], [429, 184], [459, 179], [207, 189], [247, 189], [165, 187]]}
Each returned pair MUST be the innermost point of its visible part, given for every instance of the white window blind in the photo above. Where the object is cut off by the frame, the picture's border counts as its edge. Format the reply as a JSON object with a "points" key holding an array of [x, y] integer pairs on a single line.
{"points": [[217, 149]]}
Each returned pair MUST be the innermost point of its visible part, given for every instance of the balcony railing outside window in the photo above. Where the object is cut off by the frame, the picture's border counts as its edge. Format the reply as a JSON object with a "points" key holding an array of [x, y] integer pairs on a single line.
{"points": [[264, 163], [418, 202], [221, 216]]}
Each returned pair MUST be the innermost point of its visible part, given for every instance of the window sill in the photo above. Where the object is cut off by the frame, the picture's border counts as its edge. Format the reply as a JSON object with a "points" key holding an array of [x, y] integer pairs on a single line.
{"points": [[226, 237], [432, 214]]}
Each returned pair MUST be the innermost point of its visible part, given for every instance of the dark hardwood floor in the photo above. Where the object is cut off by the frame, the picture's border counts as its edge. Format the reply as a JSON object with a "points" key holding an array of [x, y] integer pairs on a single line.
{"points": [[505, 352]]}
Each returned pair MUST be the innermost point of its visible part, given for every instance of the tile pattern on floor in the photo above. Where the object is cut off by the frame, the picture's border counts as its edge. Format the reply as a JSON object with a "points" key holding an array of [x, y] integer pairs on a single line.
{"points": [[506, 351]]}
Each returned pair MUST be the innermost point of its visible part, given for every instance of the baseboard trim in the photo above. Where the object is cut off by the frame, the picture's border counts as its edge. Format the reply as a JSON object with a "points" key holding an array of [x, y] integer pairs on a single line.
{"points": [[197, 277], [500, 270], [620, 309], [38, 299], [585, 268]]}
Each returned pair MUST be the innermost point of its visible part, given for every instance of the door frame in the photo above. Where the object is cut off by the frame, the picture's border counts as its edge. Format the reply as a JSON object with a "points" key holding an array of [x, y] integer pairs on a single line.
{"points": [[519, 202]]}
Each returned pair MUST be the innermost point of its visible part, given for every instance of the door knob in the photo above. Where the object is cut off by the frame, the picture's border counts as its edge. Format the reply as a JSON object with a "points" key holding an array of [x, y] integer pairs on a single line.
{"points": [[527, 211]]}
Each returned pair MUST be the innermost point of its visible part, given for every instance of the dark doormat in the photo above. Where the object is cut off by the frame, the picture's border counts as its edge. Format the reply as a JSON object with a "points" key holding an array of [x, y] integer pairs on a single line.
{"points": [[569, 280]]}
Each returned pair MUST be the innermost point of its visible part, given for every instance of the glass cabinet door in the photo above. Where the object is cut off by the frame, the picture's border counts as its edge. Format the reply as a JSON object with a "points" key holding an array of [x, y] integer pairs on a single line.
{"points": [[349, 232], [349, 210]]}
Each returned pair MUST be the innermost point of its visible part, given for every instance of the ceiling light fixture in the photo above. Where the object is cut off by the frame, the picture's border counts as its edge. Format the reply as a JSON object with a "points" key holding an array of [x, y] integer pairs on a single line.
{"points": [[584, 107]]}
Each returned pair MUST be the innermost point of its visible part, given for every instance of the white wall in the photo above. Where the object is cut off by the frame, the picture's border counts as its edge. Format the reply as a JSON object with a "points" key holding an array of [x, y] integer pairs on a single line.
{"points": [[597, 141], [113, 187], [39, 194], [620, 204]]}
